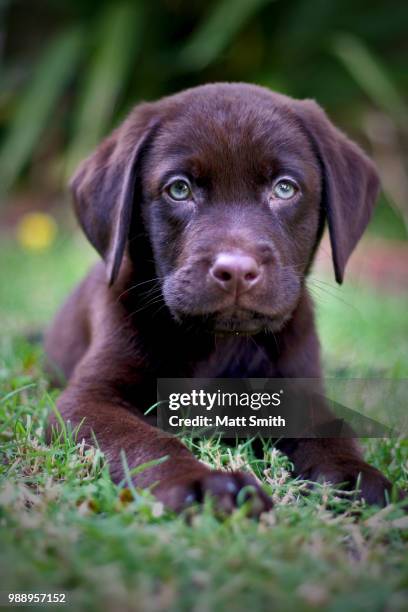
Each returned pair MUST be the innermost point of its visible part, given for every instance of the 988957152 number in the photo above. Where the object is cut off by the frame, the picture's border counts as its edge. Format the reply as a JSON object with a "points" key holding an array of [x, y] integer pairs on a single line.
{"points": [[30, 598]]}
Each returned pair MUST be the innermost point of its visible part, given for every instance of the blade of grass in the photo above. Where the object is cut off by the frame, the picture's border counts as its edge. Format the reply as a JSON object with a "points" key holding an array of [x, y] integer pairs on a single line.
{"points": [[8, 396], [129, 473], [62, 428], [154, 406]]}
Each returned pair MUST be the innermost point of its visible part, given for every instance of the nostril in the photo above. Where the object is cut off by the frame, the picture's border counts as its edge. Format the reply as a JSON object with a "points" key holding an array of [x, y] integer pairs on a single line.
{"points": [[223, 275], [251, 276]]}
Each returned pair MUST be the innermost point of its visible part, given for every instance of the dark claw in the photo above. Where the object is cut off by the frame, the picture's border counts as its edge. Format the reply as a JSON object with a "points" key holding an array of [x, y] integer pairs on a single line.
{"points": [[227, 490]]}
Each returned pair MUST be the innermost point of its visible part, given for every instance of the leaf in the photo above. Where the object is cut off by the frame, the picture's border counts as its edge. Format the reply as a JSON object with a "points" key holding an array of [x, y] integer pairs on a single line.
{"points": [[217, 31], [117, 34], [371, 76], [36, 104]]}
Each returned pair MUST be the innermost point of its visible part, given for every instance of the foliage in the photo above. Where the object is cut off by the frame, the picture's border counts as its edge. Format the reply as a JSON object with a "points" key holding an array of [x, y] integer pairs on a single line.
{"points": [[69, 77]]}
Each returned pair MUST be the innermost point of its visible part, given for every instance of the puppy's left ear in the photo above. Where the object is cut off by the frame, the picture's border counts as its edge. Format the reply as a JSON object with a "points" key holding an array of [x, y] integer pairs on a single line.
{"points": [[350, 182]]}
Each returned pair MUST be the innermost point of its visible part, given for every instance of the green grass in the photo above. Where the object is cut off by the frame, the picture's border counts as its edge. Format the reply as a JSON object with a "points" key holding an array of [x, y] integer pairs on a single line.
{"points": [[64, 526]]}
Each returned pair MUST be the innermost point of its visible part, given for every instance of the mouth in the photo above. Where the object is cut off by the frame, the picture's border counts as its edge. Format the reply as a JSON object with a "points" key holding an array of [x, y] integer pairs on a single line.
{"points": [[238, 322]]}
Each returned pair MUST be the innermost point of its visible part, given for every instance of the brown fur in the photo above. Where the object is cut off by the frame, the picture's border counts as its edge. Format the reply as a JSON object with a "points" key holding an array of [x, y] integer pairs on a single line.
{"points": [[160, 311]]}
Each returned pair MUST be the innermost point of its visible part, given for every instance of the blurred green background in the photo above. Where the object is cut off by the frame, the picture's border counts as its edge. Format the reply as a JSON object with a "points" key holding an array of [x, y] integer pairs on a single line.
{"points": [[70, 70]]}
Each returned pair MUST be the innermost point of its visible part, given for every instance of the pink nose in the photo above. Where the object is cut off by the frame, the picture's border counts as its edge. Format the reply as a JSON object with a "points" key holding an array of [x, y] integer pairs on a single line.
{"points": [[235, 272]]}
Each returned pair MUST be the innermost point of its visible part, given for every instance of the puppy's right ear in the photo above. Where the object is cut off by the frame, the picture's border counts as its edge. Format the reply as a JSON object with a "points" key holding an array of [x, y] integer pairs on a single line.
{"points": [[103, 187]]}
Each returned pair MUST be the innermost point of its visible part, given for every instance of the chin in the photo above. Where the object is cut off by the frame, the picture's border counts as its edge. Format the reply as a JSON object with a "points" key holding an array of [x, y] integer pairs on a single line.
{"points": [[234, 322], [238, 323], [256, 325]]}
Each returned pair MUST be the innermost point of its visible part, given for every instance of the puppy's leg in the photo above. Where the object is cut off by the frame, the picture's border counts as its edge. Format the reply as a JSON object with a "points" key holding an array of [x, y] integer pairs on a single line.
{"points": [[337, 461], [334, 460], [179, 479], [68, 338]]}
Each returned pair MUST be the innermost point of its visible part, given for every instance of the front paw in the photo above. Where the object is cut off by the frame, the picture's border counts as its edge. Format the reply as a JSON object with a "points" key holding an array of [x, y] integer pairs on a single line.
{"points": [[227, 491], [370, 483]]}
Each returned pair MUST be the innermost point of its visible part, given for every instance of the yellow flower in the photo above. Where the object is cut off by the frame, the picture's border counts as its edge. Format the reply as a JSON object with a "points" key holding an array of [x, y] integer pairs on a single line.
{"points": [[36, 231]]}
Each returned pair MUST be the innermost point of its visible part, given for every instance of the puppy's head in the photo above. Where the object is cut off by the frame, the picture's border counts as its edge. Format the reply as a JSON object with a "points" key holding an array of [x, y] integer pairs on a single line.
{"points": [[233, 185]]}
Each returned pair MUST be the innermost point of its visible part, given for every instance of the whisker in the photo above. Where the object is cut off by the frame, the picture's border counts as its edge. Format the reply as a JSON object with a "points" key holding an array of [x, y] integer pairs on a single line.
{"points": [[159, 309], [151, 300], [337, 297], [322, 282], [149, 305], [150, 280], [316, 296], [150, 292]]}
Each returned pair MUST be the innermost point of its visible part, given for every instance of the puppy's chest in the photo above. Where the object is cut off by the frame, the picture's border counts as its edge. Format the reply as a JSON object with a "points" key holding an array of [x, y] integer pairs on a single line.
{"points": [[236, 358], [225, 358]]}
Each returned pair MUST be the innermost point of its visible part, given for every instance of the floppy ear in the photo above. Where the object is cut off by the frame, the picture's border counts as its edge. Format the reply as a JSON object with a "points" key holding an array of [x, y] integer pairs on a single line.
{"points": [[103, 187], [350, 182]]}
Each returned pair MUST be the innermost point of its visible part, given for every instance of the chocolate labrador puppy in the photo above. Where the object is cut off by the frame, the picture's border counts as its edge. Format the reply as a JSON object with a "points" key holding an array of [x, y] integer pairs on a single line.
{"points": [[207, 208]]}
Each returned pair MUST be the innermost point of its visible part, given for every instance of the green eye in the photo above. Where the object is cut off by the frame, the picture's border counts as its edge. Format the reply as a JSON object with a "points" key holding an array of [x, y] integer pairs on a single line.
{"points": [[179, 190], [284, 190]]}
